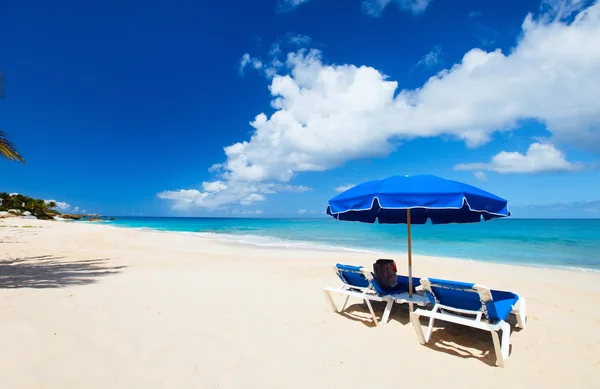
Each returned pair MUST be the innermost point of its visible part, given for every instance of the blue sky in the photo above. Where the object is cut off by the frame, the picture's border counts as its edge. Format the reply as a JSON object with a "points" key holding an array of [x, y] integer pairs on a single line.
{"points": [[125, 107]]}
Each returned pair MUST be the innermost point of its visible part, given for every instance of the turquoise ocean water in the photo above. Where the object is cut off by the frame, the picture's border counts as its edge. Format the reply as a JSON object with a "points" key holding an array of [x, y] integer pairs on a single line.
{"points": [[568, 243]]}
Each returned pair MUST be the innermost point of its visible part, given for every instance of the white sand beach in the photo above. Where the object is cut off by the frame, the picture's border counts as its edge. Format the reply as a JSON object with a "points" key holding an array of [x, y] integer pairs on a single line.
{"points": [[95, 306]]}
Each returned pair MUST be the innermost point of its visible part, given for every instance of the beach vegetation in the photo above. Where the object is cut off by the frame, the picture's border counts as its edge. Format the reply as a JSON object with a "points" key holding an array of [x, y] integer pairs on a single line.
{"points": [[20, 204], [7, 149]]}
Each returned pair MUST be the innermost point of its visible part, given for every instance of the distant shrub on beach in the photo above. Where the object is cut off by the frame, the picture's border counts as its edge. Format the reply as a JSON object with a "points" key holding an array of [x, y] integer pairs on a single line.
{"points": [[21, 205]]}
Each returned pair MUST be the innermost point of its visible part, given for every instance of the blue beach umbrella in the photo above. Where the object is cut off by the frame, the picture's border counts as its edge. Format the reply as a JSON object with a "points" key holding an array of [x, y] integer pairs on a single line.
{"points": [[414, 200]]}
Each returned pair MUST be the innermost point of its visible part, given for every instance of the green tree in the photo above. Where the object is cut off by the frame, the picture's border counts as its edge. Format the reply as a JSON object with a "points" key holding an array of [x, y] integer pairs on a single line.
{"points": [[37, 207], [7, 148], [4, 201]]}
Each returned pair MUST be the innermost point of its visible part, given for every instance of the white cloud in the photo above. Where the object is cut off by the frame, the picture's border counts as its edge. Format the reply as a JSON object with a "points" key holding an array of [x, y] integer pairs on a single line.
{"points": [[578, 209], [291, 188], [481, 176], [60, 205], [539, 158], [370, 7], [290, 5], [252, 198], [247, 212], [376, 7], [551, 75], [218, 194], [555, 10], [273, 63], [543, 78], [343, 188], [248, 60], [432, 58], [301, 211], [76, 210], [214, 187], [299, 39]]}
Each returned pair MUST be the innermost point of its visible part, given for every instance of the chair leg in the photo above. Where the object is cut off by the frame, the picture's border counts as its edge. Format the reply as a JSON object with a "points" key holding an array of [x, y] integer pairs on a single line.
{"points": [[372, 312], [505, 346], [497, 349], [414, 319], [345, 302], [387, 311], [330, 301], [521, 313], [429, 329]]}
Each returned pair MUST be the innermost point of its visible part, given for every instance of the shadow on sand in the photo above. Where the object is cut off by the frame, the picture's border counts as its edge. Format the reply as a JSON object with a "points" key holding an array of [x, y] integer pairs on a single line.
{"points": [[360, 313], [453, 339], [464, 342], [47, 271]]}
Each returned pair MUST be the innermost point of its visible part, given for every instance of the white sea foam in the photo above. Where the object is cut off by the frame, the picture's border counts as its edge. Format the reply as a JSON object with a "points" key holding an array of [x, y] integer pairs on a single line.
{"points": [[271, 241], [258, 240], [278, 242], [579, 269]]}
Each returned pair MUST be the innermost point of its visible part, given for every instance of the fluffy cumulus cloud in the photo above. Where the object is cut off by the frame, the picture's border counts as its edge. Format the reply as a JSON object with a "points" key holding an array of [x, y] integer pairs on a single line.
{"points": [[550, 75], [539, 158], [376, 7], [218, 194], [343, 188], [60, 205]]}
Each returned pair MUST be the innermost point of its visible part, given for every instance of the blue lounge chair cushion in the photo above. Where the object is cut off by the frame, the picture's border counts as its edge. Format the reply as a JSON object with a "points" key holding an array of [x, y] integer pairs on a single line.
{"points": [[400, 288], [403, 280], [352, 276], [503, 303], [462, 295]]}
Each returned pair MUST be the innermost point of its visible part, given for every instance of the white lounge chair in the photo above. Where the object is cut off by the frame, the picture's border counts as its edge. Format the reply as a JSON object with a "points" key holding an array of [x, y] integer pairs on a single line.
{"points": [[359, 282], [473, 306]]}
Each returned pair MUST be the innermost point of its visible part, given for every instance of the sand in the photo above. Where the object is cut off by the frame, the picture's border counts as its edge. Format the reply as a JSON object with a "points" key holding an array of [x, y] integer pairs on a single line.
{"points": [[95, 306]]}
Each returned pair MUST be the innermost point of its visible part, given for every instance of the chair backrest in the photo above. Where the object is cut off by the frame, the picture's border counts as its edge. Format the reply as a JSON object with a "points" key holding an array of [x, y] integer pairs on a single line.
{"points": [[353, 276], [461, 295], [403, 282], [357, 277]]}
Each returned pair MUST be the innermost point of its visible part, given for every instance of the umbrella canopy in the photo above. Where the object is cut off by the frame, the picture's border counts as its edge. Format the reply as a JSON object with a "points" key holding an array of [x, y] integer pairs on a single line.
{"points": [[414, 200], [428, 197]]}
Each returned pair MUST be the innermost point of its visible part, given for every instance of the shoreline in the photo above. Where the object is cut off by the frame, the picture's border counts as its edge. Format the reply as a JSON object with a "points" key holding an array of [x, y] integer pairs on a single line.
{"points": [[281, 243], [315, 248]]}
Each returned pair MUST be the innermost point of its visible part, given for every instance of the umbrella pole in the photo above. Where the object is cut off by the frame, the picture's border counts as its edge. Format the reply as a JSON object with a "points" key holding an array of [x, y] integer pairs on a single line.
{"points": [[410, 282]]}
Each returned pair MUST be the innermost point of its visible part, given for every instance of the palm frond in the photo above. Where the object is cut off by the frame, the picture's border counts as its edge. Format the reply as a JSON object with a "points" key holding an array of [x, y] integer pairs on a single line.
{"points": [[8, 149]]}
